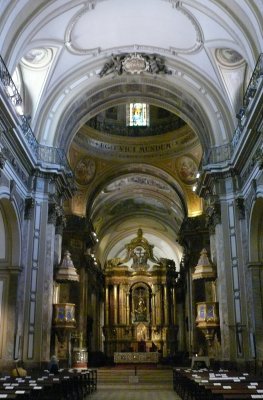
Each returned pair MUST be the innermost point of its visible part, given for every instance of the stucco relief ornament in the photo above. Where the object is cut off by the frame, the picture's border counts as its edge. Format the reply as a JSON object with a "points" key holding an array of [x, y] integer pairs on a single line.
{"points": [[187, 169], [135, 64], [38, 57], [229, 57], [85, 171], [2, 160]]}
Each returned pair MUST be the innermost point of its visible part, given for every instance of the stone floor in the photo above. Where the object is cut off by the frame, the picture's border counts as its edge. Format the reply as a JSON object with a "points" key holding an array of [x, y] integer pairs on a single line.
{"points": [[129, 394], [129, 383]]}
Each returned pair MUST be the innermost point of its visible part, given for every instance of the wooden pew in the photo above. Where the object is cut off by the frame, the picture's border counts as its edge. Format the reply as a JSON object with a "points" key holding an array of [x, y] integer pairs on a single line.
{"points": [[68, 384], [212, 385]]}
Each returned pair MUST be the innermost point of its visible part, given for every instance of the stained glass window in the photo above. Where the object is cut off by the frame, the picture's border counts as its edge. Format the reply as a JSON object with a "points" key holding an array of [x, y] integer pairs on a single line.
{"points": [[137, 114]]}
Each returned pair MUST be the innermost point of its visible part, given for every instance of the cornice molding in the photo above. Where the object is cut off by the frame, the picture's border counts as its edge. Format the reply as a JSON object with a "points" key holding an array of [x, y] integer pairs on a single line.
{"points": [[110, 146]]}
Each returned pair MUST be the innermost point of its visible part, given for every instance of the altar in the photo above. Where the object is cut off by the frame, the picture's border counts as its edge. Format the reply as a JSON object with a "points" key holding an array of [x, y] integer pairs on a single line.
{"points": [[136, 358], [140, 311]]}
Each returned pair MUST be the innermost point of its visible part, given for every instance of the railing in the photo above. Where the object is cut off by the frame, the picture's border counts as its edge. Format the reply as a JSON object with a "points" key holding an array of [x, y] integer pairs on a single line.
{"points": [[217, 154], [53, 155], [135, 131], [223, 153], [253, 83], [42, 153]]}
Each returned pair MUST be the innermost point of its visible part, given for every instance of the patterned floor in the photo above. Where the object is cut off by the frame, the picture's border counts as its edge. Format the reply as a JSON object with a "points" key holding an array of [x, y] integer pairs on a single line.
{"points": [[129, 394]]}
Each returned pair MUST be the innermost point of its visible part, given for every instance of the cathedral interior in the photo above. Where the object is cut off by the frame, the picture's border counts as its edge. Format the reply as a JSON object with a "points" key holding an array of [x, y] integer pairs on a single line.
{"points": [[131, 181]]}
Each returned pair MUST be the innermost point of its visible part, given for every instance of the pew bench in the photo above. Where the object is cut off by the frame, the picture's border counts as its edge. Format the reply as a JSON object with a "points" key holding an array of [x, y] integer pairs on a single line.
{"points": [[211, 385], [67, 385]]}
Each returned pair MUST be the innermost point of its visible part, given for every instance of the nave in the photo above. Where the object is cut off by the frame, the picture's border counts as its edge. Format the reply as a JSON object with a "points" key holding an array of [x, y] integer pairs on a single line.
{"points": [[131, 183]]}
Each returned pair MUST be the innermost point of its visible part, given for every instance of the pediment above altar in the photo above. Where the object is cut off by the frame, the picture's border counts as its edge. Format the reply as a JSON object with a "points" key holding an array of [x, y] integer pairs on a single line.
{"points": [[139, 256]]}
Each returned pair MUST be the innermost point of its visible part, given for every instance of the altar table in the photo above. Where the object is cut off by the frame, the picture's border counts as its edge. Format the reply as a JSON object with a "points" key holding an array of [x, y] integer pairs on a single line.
{"points": [[136, 357]]}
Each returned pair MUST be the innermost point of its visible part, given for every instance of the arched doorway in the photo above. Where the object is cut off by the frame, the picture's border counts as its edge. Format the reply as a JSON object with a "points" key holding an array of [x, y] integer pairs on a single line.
{"points": [[10, 338], [256, 267]]}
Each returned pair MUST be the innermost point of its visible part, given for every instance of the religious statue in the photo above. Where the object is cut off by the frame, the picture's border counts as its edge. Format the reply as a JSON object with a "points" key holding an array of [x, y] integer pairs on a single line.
{"points": [[112, 65], [141, 310]]}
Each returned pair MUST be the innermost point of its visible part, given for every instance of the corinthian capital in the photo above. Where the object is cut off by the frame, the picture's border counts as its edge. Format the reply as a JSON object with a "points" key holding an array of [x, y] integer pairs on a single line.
{"points": [[213, 214]]}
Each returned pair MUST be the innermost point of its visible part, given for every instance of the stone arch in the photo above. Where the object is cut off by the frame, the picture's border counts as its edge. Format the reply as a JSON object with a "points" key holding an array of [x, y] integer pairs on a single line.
{"points": [[256, 274], [144, 170], [256, 232], [10, 254], [173, 98], [11, 223]]}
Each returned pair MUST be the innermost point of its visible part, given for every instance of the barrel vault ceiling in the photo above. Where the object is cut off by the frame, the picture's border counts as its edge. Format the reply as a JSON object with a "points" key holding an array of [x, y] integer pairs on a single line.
{"points": [[191, 58]]}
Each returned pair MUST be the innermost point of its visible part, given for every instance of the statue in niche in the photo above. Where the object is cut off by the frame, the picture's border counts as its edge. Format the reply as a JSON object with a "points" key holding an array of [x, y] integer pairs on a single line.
{"points": [[141, 310]]}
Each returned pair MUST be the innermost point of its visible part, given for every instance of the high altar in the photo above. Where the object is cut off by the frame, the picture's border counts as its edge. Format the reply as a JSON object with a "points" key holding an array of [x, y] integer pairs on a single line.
{"points": [[140, 302]]}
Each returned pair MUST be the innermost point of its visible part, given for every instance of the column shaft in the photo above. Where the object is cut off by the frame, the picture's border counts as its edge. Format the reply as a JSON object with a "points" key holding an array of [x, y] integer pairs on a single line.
{"points": [[115, 302]]}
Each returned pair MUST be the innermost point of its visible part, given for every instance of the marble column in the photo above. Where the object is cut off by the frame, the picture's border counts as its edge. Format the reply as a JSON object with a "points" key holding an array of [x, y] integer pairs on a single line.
{"points": [[122, 307], [106, 306], [128, 319], [256, 328], [83, 305], [158, 306], [39, 285], [174, 310], [165, 305], [115, 304], [153, 309]]}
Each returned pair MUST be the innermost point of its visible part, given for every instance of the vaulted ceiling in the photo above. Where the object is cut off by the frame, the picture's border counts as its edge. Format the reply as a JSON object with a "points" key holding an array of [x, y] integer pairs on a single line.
{"points": [[57, 51]]}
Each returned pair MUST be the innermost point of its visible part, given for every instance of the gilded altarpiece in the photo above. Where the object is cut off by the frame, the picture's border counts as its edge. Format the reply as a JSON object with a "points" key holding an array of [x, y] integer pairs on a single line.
{"points": [[140, 301]]}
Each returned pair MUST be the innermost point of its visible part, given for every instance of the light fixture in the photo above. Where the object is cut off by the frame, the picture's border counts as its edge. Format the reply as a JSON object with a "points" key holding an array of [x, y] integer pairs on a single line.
{"points": [[9, 91], [198, 175], [194, 188], [19, 109]]}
